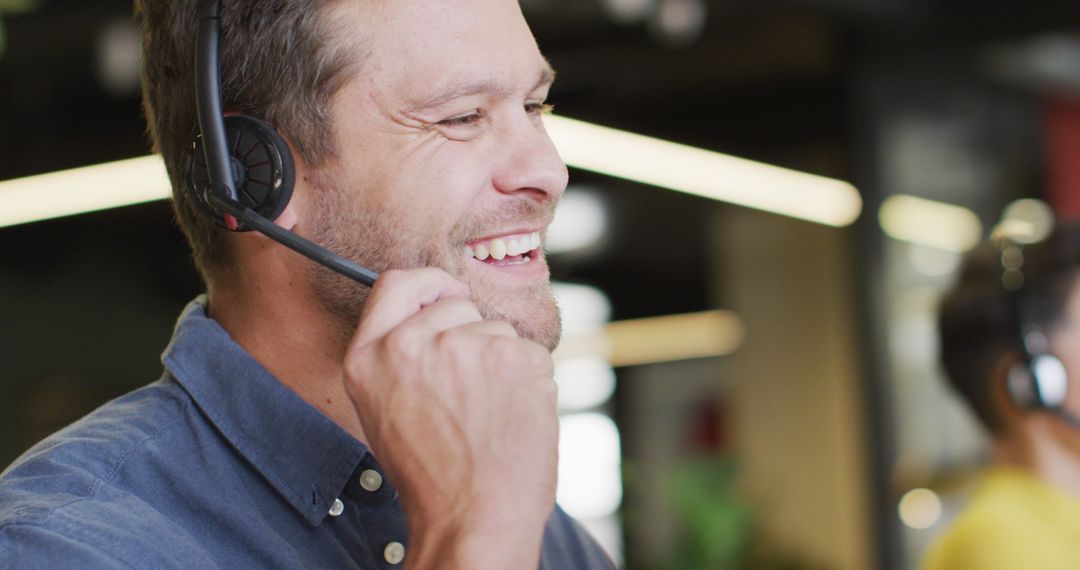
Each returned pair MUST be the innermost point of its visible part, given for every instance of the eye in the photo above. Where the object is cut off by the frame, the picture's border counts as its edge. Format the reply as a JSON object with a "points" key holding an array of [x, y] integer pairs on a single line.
{"points": [[467, 120], [539, 108]]}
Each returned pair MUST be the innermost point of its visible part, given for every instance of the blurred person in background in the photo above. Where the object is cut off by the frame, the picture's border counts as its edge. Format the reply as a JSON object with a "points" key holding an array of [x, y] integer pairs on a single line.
{"points": [[1010, 345]]}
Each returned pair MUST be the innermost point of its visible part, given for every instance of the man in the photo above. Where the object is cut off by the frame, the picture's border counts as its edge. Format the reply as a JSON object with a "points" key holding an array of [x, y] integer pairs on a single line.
{"points": [[1025, 513], [304, 421]]}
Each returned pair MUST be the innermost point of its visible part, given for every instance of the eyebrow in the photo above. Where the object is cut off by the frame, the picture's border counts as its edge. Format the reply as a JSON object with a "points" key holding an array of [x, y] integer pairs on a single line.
{"points": [[464, 88]]}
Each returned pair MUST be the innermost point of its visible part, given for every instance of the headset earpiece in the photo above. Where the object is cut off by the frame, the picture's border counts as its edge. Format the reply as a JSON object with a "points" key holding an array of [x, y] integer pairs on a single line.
{"points": [[1038, 382], [1051, 381], [252, 155], [262, 167]]}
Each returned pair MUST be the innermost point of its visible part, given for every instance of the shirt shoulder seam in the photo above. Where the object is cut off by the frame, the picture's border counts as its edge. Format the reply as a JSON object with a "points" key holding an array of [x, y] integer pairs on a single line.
{"points": [[99, 481]]}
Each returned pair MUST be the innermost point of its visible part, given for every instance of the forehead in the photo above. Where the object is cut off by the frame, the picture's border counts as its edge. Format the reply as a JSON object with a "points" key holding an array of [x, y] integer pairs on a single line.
{"points": [[422, 47]]}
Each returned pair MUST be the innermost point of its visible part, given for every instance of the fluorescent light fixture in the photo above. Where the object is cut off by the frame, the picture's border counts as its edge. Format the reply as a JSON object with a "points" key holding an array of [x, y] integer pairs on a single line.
{"points": [[80, 190], [584, 307], [704, 173], [582, 145], [584, 382], [932, 261], [590, 476], [1025, 221], [580, 221], [657, 339], [928, 222]]}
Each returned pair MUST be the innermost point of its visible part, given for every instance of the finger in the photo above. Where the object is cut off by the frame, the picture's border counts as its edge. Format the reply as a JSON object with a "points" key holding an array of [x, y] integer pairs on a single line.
{"points": [[490, 328], [398, 295], [444, 314]]}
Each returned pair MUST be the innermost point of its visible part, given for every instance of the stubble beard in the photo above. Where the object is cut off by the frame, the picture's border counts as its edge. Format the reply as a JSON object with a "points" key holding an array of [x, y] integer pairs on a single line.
{"points": [[381, 242]]}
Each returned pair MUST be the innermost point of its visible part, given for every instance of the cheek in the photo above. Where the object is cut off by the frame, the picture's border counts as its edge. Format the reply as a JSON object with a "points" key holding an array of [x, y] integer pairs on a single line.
{"points": [[447, 183], [428, 189]]}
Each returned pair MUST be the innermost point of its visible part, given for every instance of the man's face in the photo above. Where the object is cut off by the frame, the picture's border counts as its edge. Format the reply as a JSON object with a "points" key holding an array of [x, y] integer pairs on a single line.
{"points": [[442, 158]]}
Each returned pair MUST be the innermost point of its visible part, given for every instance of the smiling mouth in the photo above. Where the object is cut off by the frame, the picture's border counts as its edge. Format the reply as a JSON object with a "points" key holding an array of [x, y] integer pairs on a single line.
{"points": [[515, 249]]}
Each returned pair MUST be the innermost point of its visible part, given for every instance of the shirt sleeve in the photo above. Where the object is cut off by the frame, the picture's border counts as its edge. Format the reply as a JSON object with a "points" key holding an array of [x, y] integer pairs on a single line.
{"points": [[567, 545], [31, 546]]}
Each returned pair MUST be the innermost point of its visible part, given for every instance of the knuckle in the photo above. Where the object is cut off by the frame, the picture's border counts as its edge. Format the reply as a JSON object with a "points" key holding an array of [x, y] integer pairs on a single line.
{"points": [[401, 342], [519, 352], [356, 370], [431, 275], [464, 343], [352, 364], [505, 328], [466, 309], [539, 358], [503, 348], [450, 340]]}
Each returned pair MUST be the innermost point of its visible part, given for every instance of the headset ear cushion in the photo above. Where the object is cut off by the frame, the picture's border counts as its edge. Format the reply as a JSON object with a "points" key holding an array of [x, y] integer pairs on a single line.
{"points": [[262, 168]]}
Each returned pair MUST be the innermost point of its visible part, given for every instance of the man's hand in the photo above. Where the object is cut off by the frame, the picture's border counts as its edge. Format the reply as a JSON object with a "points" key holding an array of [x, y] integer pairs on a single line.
{"points": [[461, 413]]}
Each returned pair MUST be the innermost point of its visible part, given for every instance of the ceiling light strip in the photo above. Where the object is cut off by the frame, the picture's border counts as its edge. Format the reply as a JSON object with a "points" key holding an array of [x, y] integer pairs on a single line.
{"points": [[658, 339], [79, 190], [929, 222], [704, 173]]}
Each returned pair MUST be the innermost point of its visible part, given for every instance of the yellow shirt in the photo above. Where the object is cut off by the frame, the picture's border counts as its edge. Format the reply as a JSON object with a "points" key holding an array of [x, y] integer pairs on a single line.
{"points": [[1014, 520]]}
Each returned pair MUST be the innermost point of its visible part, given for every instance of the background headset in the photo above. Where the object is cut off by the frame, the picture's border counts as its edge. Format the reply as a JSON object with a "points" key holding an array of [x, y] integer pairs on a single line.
{"points": [[239, 169], [1038, 379]]}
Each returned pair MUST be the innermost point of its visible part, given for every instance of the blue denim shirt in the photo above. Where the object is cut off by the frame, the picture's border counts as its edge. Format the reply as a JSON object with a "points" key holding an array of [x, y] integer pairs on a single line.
{"points": [[216, 465]]}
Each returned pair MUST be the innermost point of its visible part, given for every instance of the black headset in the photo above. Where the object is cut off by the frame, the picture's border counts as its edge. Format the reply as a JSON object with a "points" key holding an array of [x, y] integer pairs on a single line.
{"points": [[1037, 380], [240, 170]]}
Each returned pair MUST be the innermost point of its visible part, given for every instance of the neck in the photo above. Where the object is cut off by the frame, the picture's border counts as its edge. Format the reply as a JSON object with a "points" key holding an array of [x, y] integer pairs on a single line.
{"points": [[1040, 447], [283, 328]]}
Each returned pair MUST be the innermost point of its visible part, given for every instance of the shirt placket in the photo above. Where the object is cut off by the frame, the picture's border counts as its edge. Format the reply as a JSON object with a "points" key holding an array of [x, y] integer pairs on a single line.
{"points": [[375, 507]]}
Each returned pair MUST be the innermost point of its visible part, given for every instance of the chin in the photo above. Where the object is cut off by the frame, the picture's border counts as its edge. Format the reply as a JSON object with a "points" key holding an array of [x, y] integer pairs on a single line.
{"points": [[533, 314], [546, 334]]}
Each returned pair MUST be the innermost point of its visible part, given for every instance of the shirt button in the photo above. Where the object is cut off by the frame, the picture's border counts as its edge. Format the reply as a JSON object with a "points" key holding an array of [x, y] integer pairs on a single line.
{"points": [[370, 480], [394, 552], [337, 508]]}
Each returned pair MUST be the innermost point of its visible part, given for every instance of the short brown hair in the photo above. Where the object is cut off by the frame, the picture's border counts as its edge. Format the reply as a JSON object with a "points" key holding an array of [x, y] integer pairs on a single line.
{"points": [[281, 61]]}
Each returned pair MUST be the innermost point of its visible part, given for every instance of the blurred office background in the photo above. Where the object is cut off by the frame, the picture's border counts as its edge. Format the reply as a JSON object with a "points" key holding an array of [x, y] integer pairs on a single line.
{"points": [[741, 388]]}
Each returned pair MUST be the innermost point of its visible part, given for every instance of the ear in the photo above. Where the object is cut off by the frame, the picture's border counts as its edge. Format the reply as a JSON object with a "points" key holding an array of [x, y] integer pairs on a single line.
{"points": [[288, 217], [1010, 410]]}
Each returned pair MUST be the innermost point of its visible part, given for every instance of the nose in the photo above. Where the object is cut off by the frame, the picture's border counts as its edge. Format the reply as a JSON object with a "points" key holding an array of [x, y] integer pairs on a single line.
{"points": [[528, 161]]}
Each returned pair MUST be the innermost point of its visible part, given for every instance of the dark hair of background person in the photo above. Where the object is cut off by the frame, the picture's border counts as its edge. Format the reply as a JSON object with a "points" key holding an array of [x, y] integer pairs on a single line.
{"points": [[977, 322], [281, 61]]}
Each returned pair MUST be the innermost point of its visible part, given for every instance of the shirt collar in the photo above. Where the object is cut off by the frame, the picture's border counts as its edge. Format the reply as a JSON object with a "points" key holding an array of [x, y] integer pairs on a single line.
{"points": [[304, 455]]}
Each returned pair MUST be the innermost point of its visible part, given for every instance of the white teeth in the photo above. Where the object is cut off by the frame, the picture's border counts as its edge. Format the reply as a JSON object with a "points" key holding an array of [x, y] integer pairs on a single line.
{"points": [[501, 248], [498, 249]]}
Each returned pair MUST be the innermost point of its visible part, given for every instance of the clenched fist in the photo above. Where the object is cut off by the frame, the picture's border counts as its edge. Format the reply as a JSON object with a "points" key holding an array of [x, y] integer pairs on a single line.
{"points": [[461, 412]]}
